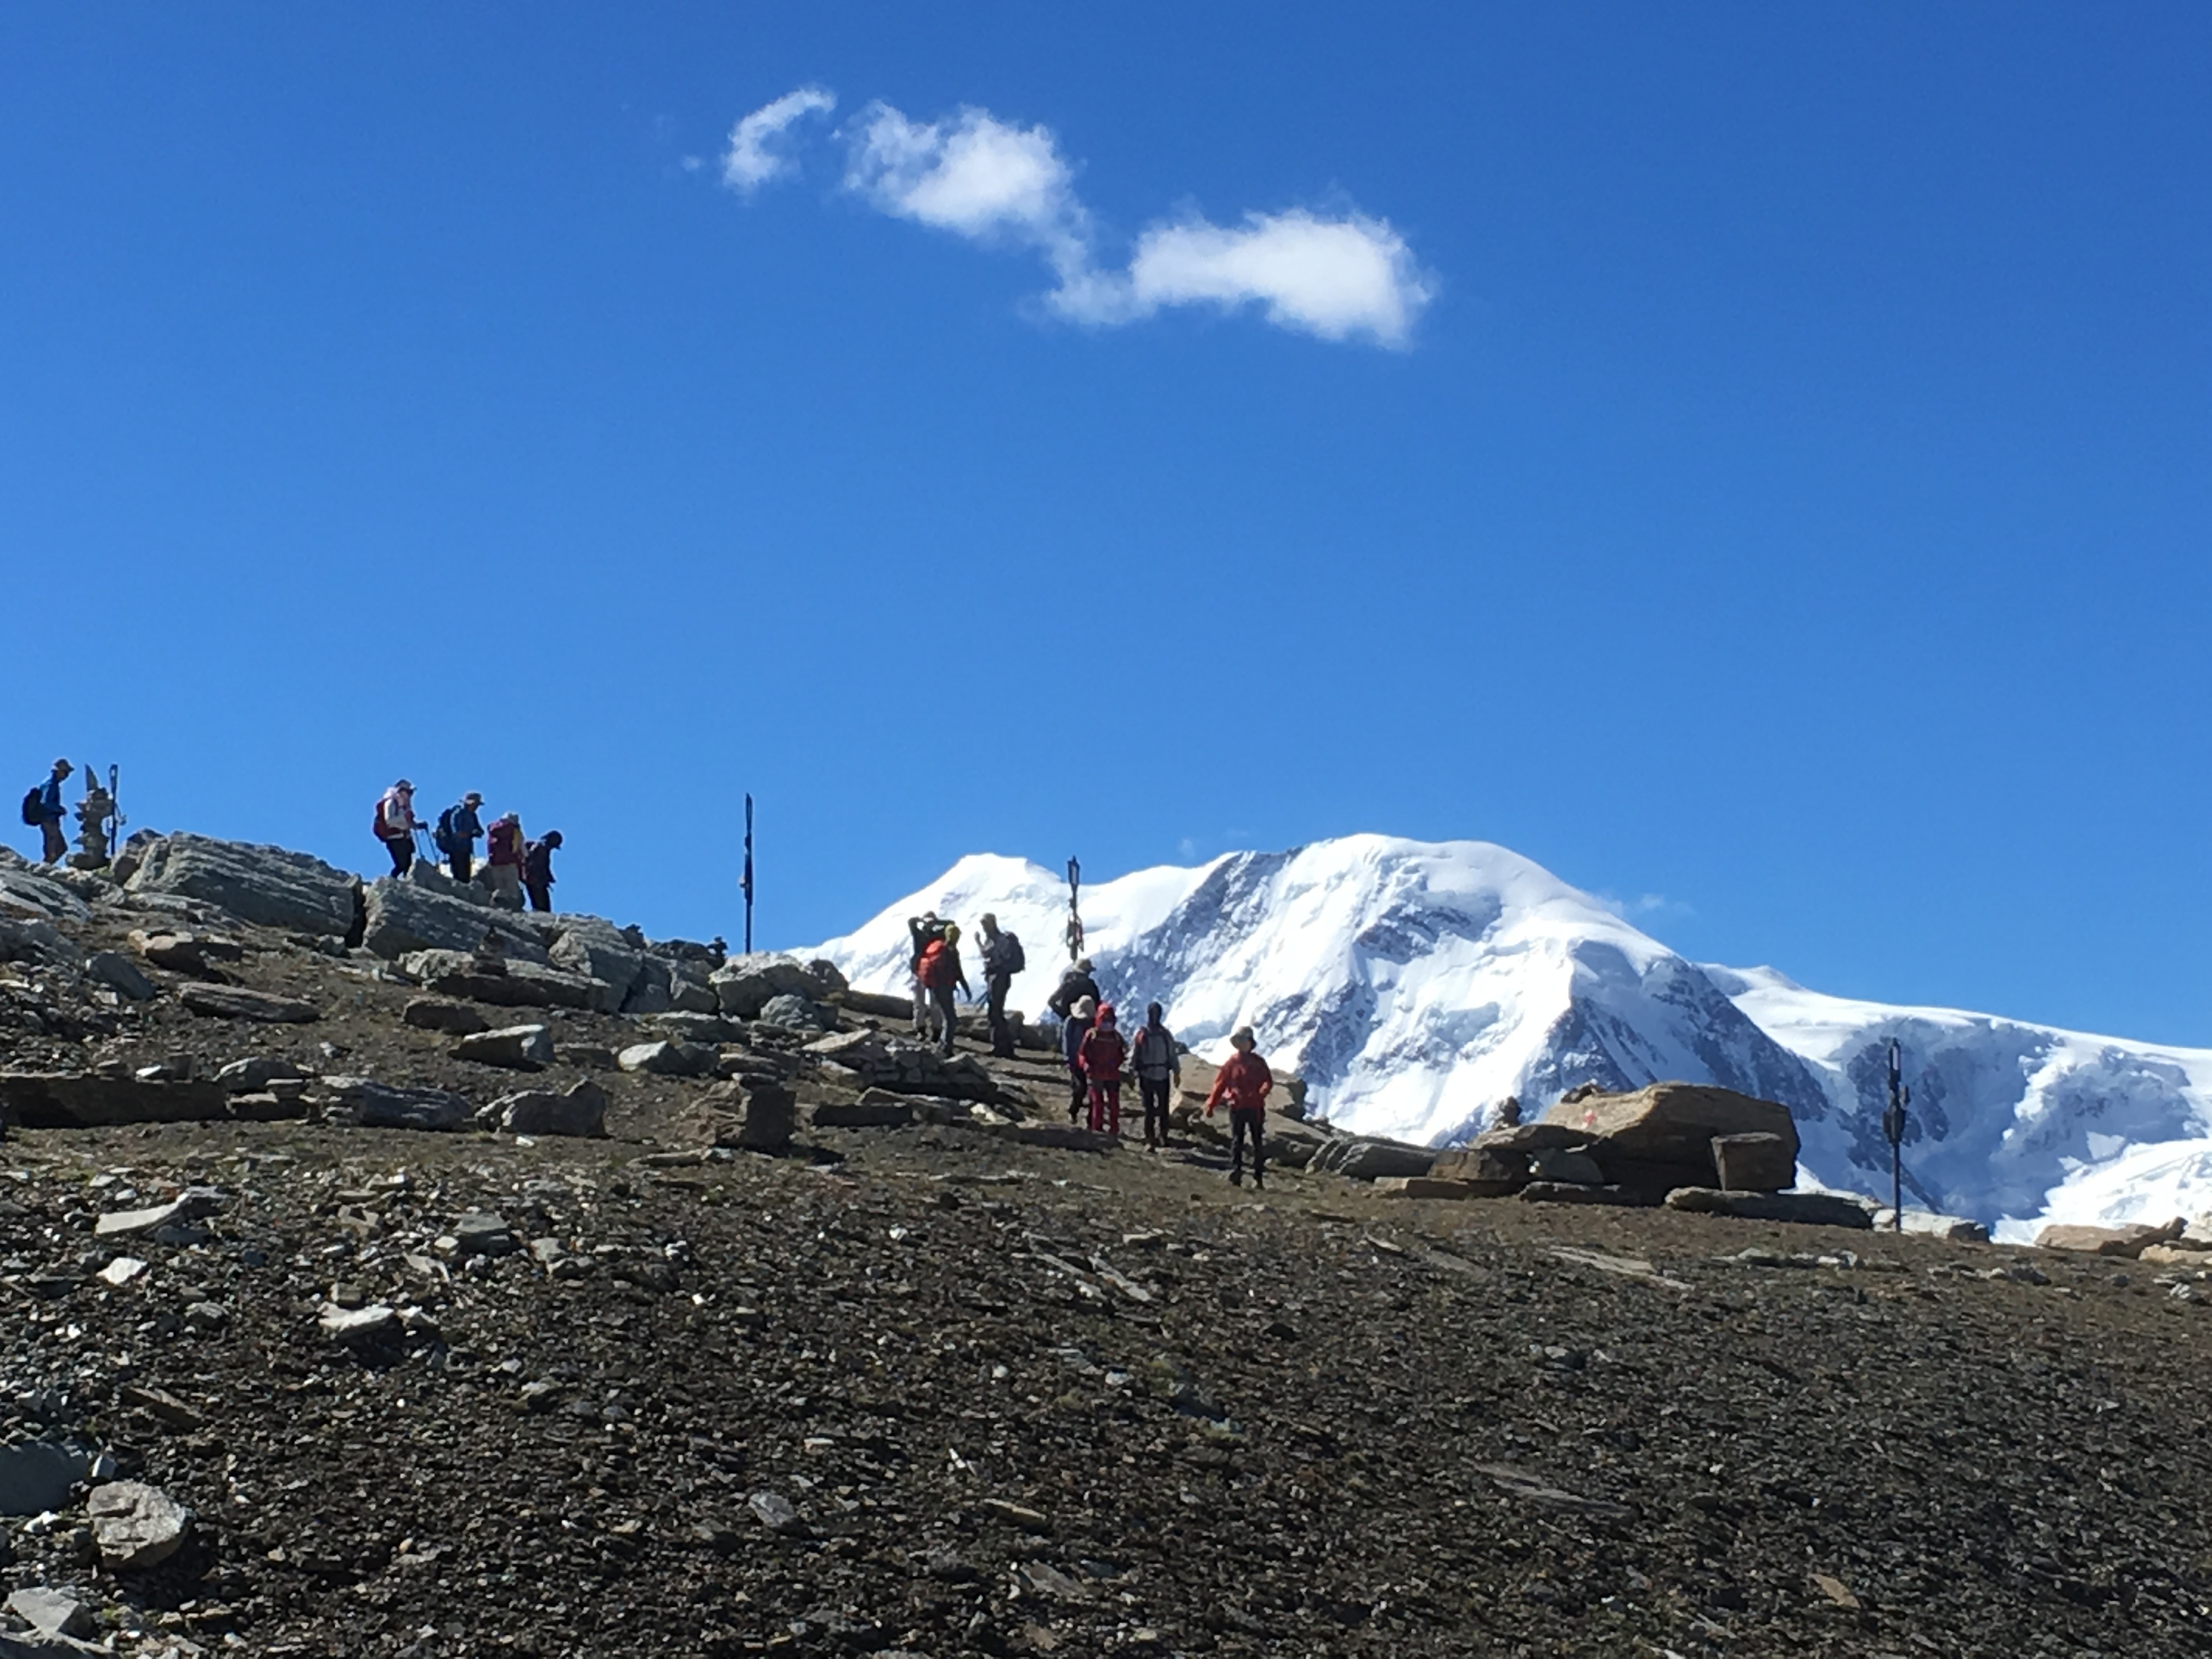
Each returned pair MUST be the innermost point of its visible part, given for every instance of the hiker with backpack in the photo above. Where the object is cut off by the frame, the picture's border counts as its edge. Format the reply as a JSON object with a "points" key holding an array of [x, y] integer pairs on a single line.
{"points": [[1072, 1030], [457, 832], [1100, 1055], [1244, 1087], [502, 871], [920, 931], [537, 871], [395, 824], [940, 971], [1074, 985], [1002, 960], [1153, 1057], [43, 812]]}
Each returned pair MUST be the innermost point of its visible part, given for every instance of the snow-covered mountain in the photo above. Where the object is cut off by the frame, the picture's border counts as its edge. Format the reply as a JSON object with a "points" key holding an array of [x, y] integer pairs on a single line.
{"points": [[1416, 984]]}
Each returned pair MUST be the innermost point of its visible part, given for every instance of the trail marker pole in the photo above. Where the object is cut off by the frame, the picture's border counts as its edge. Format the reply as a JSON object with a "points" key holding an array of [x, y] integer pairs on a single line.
{"points": [[1892, 1127], [747, 882], [1074, 911]]}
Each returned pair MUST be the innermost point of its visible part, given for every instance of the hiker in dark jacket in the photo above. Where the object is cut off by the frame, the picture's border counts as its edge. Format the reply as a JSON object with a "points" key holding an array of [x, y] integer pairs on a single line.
{"points": [[1075, 984], [538, 870], [1002, 960], [940, 971], [920, 931], [1153, 1058], [47, 812], [1072, 1033], [458, 830]]}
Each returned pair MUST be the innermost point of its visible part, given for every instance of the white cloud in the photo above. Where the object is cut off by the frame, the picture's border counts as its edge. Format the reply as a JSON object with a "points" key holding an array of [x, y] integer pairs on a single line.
{"points": [[752, 160], [1339, 278]]}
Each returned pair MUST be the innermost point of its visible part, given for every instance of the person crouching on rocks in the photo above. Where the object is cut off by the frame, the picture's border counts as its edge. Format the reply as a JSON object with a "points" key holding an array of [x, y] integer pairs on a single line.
{"points": [[1072, 1030], [395, 825], [502, 871], [1243, 1086], [537, 871], [1101, 1055], [1153, 1058]]}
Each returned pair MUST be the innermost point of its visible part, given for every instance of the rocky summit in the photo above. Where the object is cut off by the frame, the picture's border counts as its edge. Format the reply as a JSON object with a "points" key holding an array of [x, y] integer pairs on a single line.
{"points": [[382, 1274]]}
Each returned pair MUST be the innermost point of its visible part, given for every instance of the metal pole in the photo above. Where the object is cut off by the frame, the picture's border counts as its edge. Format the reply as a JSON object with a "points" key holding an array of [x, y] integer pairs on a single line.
{"points": [[1892, 1126], [1074, 910], [748, 882]]}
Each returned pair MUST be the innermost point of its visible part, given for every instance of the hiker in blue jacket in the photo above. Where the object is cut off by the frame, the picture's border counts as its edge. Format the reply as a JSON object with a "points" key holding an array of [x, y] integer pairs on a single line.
{"points": [[43, 808], [458, 830]]}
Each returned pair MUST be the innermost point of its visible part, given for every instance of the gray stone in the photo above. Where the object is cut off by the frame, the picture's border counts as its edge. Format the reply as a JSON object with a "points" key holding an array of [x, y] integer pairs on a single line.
{"points": [[405, 916], [483, 1233], [1755, 1163], [119, 973], [374, 1323], [863, 1115], [36, 896], [435, 1014], [1951, 1228], [1571, 1192], [374, 1105], [185, 953], [749, 983], [246, 1077], [266, 885], [1566, 1163], [37, 1475], [236, 1002], [136, 1526], [1810, 1209], [1364, 1159], [508, 984], [52, 1612], [689, 991], [771, 1112], [50, 1100], [35, 942], [1662, 1134], [695, 1028], [190, 1205], [668, 1059], [581, 1111], [774, 1512], [518, 1048], [907, 1068], [648, 993], [596, 949], [824, 979], [797, 1014]]}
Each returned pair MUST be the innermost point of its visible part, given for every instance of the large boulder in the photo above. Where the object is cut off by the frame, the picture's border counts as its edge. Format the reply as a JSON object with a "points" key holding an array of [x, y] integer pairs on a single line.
{"points": [[136, 1526], [28, 896], [518, 1048], [796, 1013], [267, 885], [598, 950], [406, 916], [56, 1099], [2129, 1241], [1364, 1159], [505, 984], [582, 1110], [1810, 1209], [750, 983], [1661, 1136], [910, 1068], [668, 1059]]}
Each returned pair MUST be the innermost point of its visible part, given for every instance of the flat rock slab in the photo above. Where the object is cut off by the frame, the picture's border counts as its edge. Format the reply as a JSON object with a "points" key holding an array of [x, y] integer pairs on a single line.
{"points": [[2128, 1241], [236, 1002], [52, 1612], [136, 1526], [669, 1059], [267, 885], [1364, 1159], [190, 1205], [1807, 1209], [37, 1475], [374, 1105], [519, 1048], [1442, 1187], [436, 1014], [47, 1100], [1575, 1192], [119, 973]]}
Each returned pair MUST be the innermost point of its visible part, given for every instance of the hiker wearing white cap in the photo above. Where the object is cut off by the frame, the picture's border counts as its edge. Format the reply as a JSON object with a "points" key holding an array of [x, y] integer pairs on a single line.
{"points": [[395, 825]]}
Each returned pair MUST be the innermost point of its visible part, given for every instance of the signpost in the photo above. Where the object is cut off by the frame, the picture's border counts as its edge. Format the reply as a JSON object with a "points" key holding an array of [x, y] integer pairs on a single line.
{"points": [[747, 882], [1074, 912], [1892, 1127]]}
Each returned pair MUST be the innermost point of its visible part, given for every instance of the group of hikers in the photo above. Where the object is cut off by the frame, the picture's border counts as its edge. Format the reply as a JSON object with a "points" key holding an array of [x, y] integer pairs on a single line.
{"points": [[513, 865], [1098, 1056]]}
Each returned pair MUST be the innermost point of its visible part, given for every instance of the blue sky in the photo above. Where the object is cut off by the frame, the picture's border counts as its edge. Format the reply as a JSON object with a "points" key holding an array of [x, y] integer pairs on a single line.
{"points": [[1780, 500]]}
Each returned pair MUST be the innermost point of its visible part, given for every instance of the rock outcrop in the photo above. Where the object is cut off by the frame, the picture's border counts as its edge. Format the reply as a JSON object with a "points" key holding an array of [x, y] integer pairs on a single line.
{"points": [[266, 885]]}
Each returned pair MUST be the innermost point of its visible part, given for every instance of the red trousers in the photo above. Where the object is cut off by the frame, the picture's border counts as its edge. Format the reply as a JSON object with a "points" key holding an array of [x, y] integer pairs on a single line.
{"points": [[1106, 1106]]}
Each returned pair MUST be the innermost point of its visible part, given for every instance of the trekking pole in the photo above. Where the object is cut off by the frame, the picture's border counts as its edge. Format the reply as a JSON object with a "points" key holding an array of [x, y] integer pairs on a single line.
{"points": [[747, 882], [1074, 912], [1892, 1127]]}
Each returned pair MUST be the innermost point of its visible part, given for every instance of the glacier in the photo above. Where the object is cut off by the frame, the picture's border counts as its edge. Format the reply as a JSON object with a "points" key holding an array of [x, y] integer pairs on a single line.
{"points": [[1415, 985]]}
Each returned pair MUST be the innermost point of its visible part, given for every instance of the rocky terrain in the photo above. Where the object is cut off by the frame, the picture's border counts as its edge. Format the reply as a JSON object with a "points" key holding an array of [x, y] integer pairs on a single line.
{"points": [[706, 1316]]}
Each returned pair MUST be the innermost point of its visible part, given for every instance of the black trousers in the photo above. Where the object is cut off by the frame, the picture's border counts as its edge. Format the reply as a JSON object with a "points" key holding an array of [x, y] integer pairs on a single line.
{"points": [[1078, 1093], [994, 1008], [540, 896], [461, 864], [1155, 1091], [1246, 1120], [402, 848]]}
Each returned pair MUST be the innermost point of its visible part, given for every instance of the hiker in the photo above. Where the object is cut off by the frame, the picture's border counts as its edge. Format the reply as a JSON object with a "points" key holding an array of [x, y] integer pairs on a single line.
{"points": [[502, 871], [1072, 1030], [1243, 1086], [1153, 1058], [1002, 960], [395, 825], [1509, 1113], [920, 931], [1074, 985], [537, 871], [459, 829], [1100, 1055], [940, 971], [43, 812]]}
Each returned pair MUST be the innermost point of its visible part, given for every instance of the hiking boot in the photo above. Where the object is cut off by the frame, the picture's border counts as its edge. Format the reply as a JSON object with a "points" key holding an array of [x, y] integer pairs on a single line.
{"points": [[1259, 1180], [1236, 1178]]}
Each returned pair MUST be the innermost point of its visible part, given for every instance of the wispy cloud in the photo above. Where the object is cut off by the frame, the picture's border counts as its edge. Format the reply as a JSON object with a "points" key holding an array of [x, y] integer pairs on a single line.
{"points": [[1647, 906], [1343, 278], [754, 156]]}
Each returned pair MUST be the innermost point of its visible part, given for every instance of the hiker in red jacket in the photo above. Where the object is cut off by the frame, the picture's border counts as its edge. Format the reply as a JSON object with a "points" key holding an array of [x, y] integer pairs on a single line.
{"points": [[1100, 1056], [940, 971], [504, 847], [1243, 1086]]}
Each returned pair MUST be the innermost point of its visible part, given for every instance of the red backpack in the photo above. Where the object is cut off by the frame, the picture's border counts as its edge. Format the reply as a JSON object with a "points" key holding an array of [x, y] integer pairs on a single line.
{"points": [[936, 970]]}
